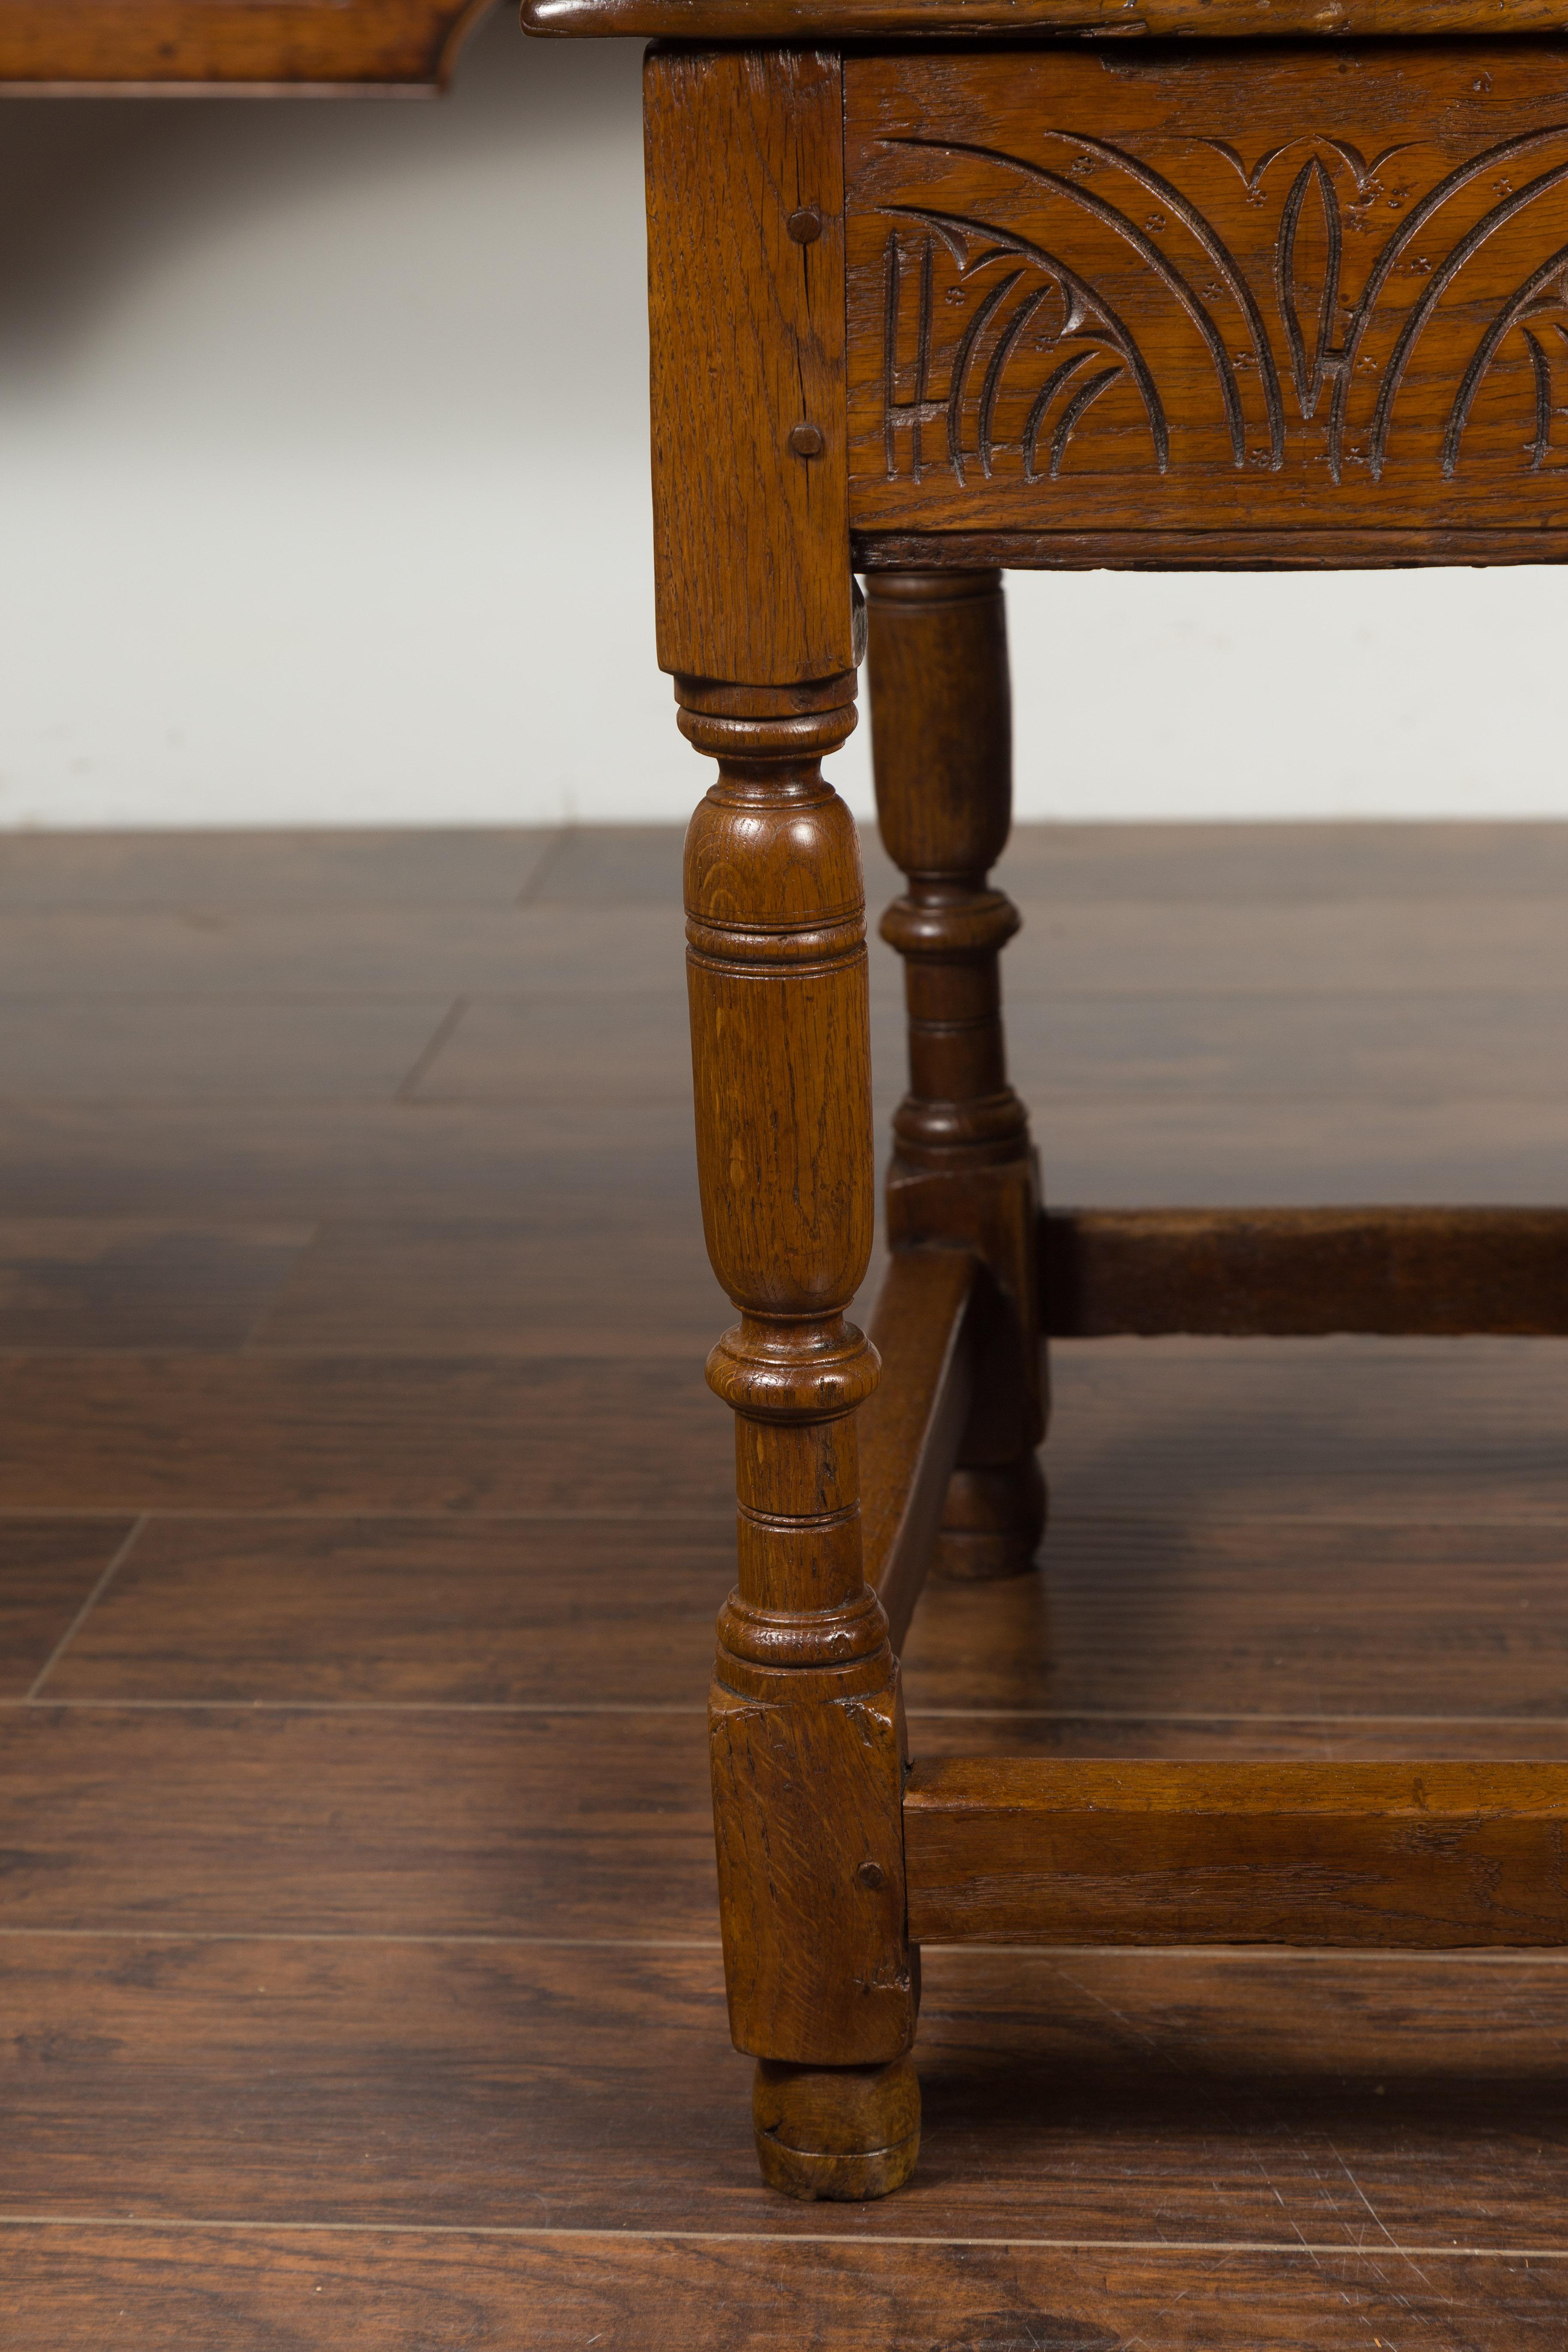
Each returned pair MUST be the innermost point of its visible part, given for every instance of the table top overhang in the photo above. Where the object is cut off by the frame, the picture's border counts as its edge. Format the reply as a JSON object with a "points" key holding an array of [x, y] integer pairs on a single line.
{"points": [[834, 22]]}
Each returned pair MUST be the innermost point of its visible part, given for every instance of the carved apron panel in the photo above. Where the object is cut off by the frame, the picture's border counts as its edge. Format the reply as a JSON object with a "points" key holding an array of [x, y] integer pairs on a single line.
{"points": [[1268, 290]]}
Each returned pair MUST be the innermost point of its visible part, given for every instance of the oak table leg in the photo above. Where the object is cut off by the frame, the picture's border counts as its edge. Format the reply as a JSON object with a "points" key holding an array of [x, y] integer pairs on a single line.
{"points": [[821, 224], [807, 1732], [963, 1170], [753, 586]]}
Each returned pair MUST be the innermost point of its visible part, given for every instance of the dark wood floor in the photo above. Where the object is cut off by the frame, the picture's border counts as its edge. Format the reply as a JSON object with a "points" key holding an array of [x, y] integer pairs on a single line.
{"points": [[365, 1520]]}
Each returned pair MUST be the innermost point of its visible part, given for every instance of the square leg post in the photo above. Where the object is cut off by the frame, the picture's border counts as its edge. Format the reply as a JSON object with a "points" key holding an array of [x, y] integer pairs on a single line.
{"points": [[756, 624], [963, 1170]]}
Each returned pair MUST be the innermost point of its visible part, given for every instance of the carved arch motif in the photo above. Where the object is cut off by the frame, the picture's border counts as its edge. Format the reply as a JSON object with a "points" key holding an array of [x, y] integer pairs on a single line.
{"points": [[1053, 331]]}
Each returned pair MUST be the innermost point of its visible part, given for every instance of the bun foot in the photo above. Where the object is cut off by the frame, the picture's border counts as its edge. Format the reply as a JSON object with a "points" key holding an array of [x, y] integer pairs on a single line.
{"points": [[991, 1523], [845, 2133]]}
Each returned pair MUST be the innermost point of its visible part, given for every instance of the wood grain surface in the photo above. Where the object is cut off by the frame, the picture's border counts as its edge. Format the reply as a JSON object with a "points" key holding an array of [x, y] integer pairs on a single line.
{"points": [[1306, 1271], [471, 1162], [1240, 2099], [1331, 1621], [243, 1159], [375, 2293], [1287, 291], [1440, 1856], [56, 47], [216, 1821], [607, 869], [1130, 1621], [269, 1432], [912, 1424], [1336, 867], [74, 1281], [1331, 1429], [373, 1764], [378, 1612], [195, 1049], [1231, 547], [419, 870], [746, 323], [1186, 1736], [1491, 1047], [497, 1286], [1312, 1429]]}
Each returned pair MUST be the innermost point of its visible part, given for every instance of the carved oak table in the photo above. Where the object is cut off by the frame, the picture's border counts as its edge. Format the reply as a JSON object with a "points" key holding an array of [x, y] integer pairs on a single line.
{"points": [[925, 308]]}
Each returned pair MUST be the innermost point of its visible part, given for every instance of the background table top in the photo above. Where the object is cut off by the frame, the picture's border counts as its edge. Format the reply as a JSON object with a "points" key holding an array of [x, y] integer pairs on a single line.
{"points": [[344, 48], [65, 47]]}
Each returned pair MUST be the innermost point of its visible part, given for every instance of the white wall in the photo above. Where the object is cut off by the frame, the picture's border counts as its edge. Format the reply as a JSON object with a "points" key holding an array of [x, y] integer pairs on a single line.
{"points": [[322, 499]]}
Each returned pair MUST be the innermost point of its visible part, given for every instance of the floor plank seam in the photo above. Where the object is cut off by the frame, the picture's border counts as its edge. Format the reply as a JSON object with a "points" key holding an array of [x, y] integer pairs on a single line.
{"points": [[692, 1709], [1374, 2246], [714, 1515], [121, 1554], [376, 1936], [360, 1515], [1523, 1956], [1306, 1717], [445, 1028], [549, 858]]}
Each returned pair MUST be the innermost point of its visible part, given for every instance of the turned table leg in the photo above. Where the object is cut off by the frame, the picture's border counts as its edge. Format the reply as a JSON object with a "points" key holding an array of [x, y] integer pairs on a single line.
{"points": [[806, 1728], [963, 1170]]}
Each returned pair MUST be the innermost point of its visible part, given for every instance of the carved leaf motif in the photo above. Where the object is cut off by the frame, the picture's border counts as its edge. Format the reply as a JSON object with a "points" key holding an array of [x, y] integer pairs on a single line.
{"points": [[1312, 368], [1082, 316], [1095, 307], [1551, 279], [1069, 185]]}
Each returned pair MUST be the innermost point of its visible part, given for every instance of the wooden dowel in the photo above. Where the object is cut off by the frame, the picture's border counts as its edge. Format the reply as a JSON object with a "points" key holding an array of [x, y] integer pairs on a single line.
{"points": [[913, 1423], [1416, 1856], [1290, 1272]]}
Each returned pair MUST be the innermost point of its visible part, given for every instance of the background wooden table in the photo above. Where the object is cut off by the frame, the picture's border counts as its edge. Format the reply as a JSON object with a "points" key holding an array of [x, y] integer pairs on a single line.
{"points": [[133, 47]]}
